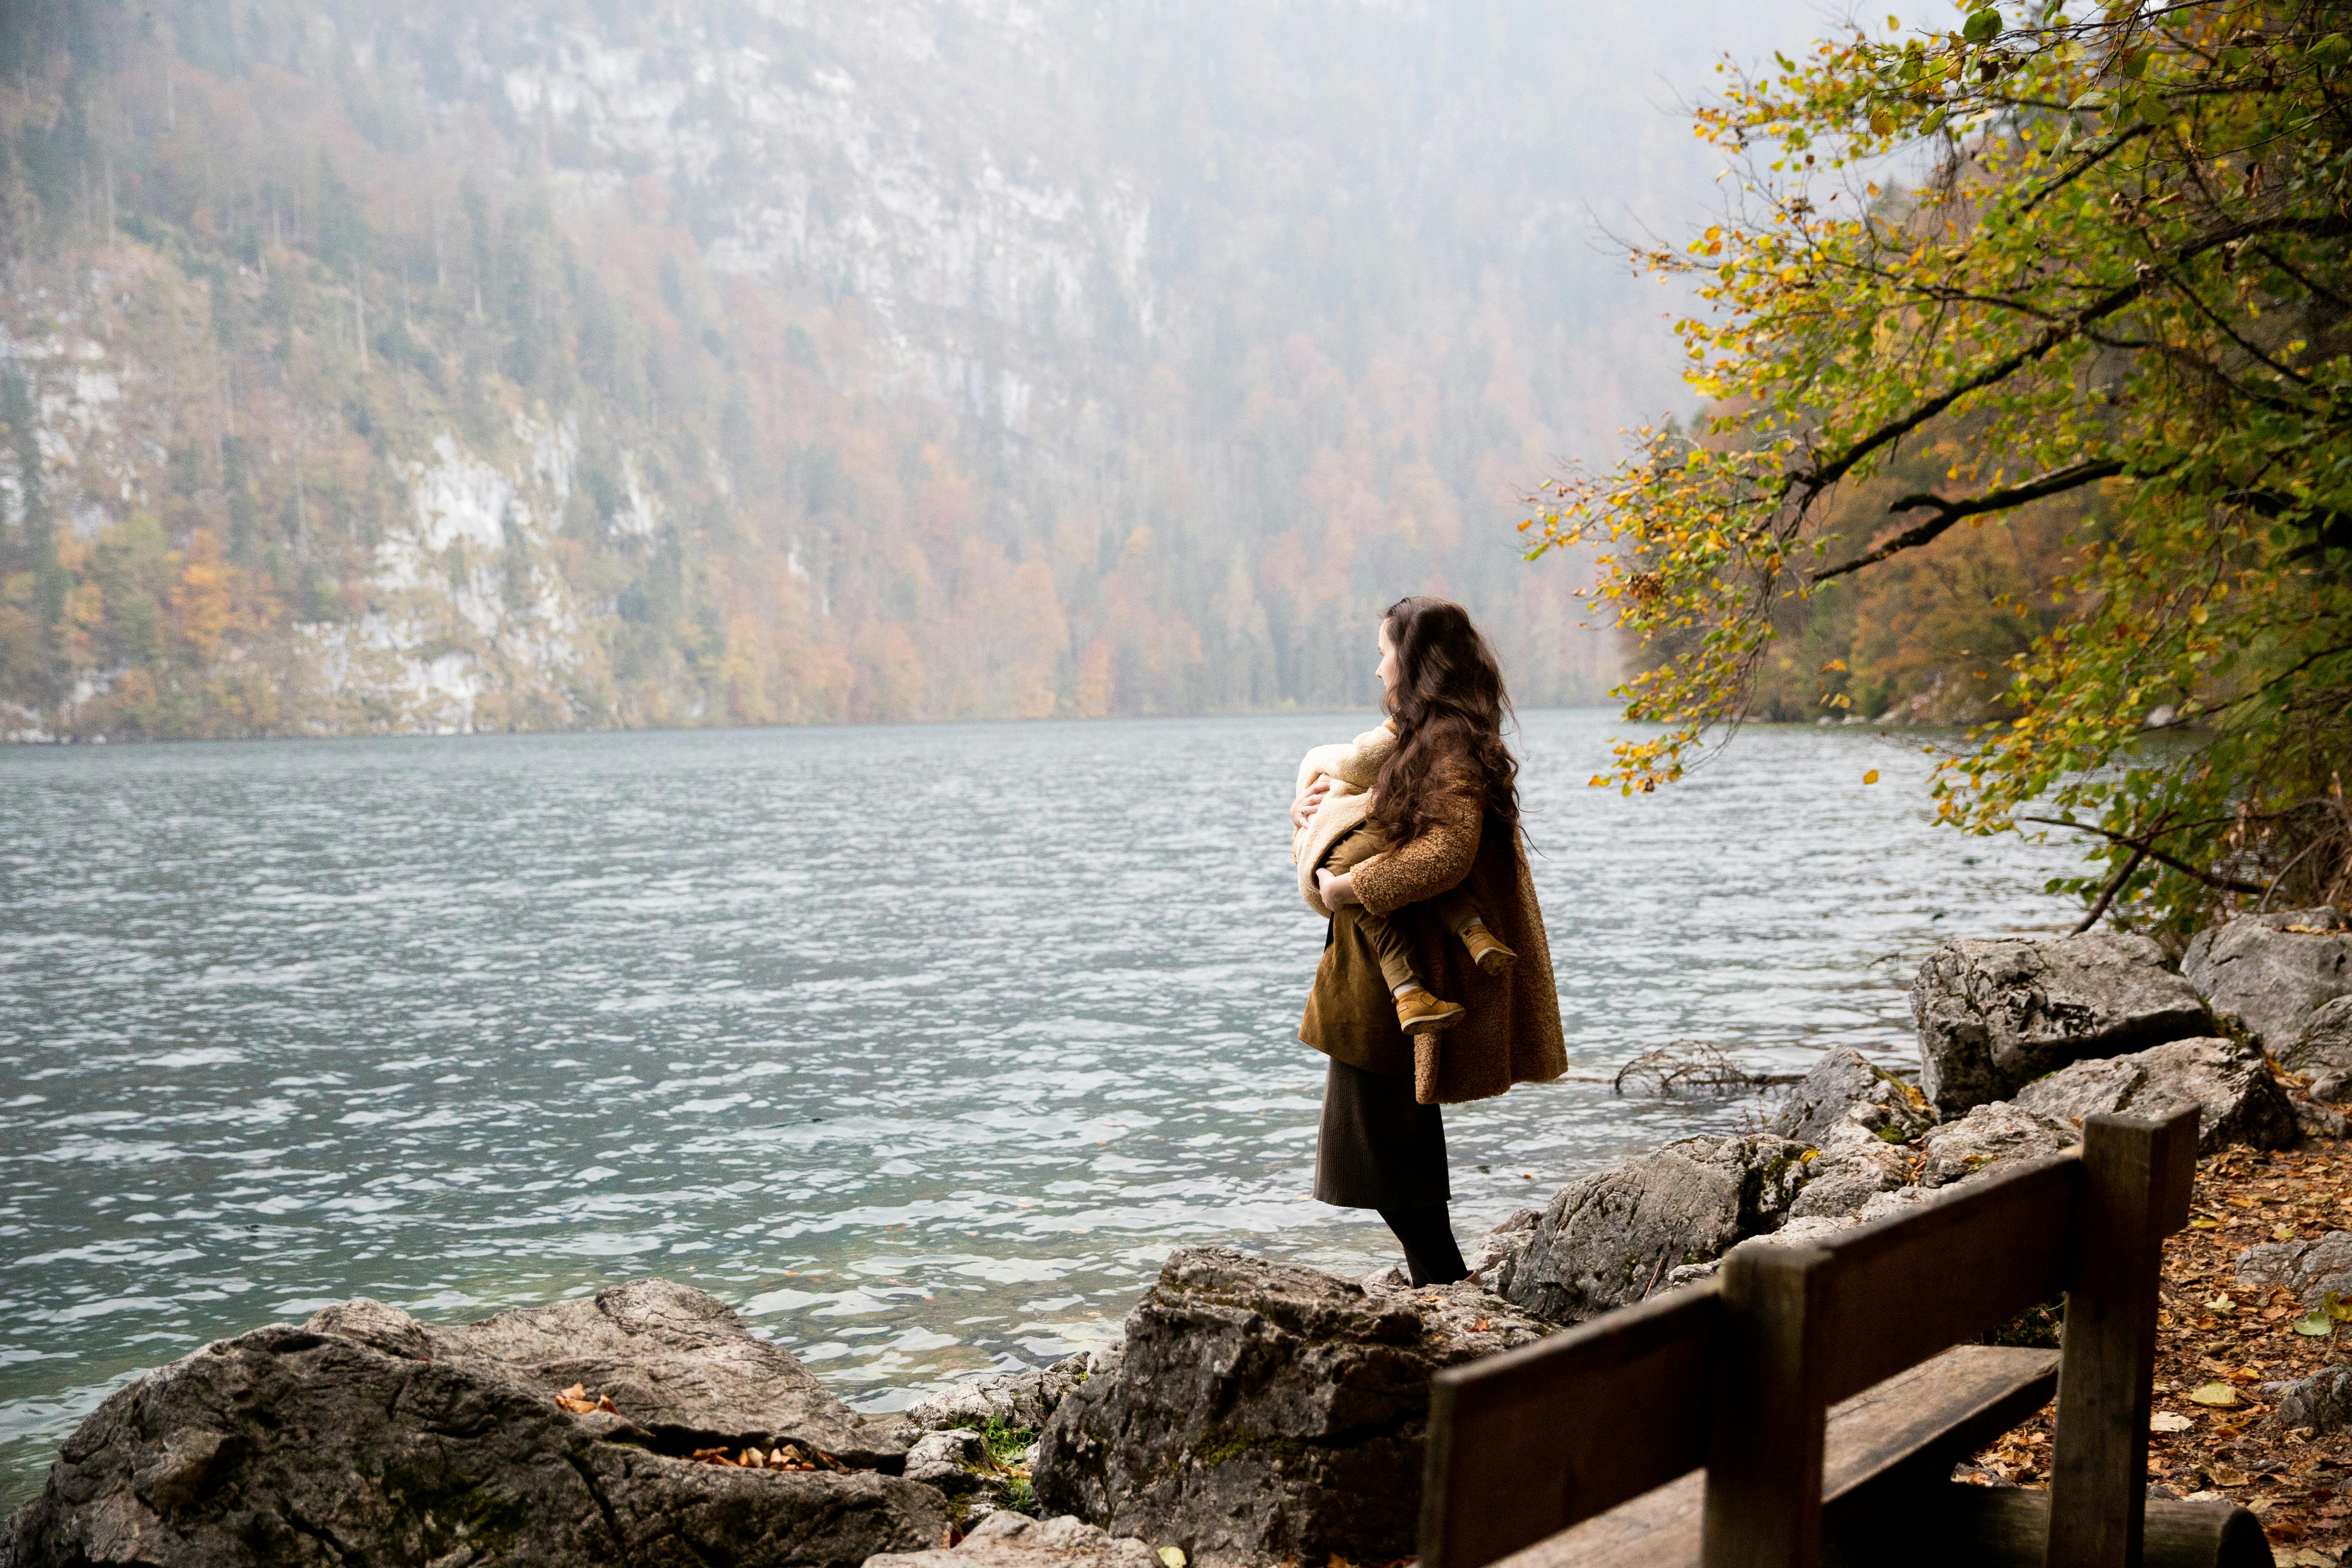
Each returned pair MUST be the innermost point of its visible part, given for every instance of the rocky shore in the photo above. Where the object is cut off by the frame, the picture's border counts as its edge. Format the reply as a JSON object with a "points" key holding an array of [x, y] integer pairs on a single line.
{"points": [[1256, 1411]]}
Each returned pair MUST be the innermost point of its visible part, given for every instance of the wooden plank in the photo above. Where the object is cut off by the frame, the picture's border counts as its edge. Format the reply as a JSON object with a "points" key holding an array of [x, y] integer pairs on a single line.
{"points": [[1763, 1496], [2006, 1527], [1530, 1441], [1882, 1442], [1948, 1273], [2099, 1469]]}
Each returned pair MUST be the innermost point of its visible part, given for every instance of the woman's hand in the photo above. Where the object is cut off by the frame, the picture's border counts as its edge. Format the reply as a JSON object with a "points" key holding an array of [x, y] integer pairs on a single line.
{"points": [[1309, 799], [1335, 890]]}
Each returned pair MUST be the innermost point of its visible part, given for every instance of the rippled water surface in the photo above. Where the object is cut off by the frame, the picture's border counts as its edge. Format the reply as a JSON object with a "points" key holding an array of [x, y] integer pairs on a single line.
{"points": [[922, 1046]]}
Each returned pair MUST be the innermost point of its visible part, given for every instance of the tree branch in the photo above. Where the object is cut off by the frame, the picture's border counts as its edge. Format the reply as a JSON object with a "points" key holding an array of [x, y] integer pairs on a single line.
{"points": [[2226, 884], [1811, 483], [1948, 512], [2107, 894]]}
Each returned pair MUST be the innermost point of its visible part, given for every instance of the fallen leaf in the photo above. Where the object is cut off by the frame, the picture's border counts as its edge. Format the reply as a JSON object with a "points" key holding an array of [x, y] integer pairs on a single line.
{"points": [[2317, 1326], [1172, 1557], [2336, 1307], [2199, 1222], [2220, 1395], [577, 1391], [2222, 1306], [2284, 1233], [2170, 1421], [1481, 1326]]}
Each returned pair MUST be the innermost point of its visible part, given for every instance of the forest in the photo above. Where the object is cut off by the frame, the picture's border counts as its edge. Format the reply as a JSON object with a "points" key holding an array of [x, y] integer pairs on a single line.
{"points": [[373, 369]]}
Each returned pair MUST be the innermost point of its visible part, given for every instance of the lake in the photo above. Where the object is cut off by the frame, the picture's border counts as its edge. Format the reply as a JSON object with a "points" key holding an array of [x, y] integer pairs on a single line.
{"points": [[922, 1046]]}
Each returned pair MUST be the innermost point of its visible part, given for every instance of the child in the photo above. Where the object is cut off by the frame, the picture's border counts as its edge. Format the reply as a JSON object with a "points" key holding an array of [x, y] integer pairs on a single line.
{"points": [[1338, 839]]}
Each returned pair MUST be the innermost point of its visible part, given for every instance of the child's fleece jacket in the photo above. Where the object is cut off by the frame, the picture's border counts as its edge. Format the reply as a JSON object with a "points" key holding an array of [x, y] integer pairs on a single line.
{"points": [[1353, 766]]}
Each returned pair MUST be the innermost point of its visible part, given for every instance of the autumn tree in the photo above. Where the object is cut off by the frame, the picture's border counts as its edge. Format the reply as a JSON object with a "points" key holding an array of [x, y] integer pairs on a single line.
{"points": [[2119, 285]]}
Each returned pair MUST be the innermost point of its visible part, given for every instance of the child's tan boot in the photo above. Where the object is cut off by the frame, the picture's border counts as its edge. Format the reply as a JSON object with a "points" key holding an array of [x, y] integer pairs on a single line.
{"points": [[1419, 1013], [1486, 950]]}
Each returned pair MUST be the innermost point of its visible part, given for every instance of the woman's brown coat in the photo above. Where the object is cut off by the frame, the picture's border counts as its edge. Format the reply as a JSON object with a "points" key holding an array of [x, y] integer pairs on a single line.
{"points": [[1511, 1034]]}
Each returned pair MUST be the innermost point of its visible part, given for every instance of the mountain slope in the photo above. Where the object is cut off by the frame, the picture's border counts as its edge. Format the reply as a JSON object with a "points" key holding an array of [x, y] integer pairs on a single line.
{"points": [[530, 364]]}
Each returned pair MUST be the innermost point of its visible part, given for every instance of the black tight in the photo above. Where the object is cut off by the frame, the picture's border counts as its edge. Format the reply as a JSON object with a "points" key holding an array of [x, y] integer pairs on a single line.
{"points": [[1431, 1257]]}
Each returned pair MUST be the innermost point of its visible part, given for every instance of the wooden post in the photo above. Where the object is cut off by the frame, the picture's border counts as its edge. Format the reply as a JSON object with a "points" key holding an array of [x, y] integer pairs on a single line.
{"points": [[1763, 1507], [2133, 1182]]}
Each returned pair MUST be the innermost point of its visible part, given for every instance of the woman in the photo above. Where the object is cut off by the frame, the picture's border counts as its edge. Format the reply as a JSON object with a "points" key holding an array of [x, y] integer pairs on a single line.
{"points": [[1448, 799]]}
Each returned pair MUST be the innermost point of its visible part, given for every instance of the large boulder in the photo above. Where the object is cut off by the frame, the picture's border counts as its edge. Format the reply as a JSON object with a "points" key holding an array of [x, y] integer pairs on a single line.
{"points": [[1016, 1540], [2311, 1269], [2268, 974], [1263, 1411], [2228, 1083], [366, 1436], [1996, 1013], [1845, 1088], [1616, 1237]]}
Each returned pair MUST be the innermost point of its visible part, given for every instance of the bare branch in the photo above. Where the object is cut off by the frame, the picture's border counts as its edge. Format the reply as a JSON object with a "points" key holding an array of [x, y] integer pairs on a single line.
{"points": [[2211, 880]]}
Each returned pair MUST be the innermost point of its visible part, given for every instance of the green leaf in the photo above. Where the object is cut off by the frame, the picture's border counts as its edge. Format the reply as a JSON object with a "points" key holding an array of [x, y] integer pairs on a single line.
{"points": [[1982, 25], [2317, 1326]]}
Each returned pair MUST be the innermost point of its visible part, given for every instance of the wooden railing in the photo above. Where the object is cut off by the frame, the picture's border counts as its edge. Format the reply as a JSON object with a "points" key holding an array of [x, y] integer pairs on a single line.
{"points": [[1822, 1395]]}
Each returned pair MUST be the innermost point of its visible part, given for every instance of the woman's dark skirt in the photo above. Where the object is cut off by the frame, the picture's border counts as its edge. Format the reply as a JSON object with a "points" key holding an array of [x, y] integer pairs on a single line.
{"points": [[1379, 1148]]}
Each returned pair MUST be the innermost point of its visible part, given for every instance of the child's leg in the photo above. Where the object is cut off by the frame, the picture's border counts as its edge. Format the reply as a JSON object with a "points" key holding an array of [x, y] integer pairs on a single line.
{"points": [[1462, 916], [1387, 937], [1458, 909]]}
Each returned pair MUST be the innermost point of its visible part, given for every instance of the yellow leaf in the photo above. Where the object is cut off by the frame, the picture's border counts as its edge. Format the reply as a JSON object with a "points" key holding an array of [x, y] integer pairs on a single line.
{"points": [[1172, 1556], [1871, 777], [2219, 1395]]}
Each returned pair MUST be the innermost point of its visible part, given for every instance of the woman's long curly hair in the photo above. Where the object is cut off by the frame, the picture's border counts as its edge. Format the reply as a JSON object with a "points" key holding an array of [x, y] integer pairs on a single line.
{"points": [[1450, 709]]}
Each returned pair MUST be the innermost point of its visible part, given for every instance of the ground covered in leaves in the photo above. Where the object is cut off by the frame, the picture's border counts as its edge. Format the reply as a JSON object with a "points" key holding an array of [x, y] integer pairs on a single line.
{"points": [[2217, 1344]]}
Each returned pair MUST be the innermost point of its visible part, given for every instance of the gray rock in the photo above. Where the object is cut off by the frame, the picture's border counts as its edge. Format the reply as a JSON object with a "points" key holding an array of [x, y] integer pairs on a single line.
{"points": [[2310, 1269], [1995, 1014], [1493, 1258], [949, 1459], [1845, 1088], [2230, 1086], [1851, 1167], [2325, 1049], [1021, 1401], [1266, 1410], [1612, 1237], [1989, 1137], [1015, 1541], [366, 1436], [1811, 1230], [2270, 980], [2317, 1120], [2323, 1402]]}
